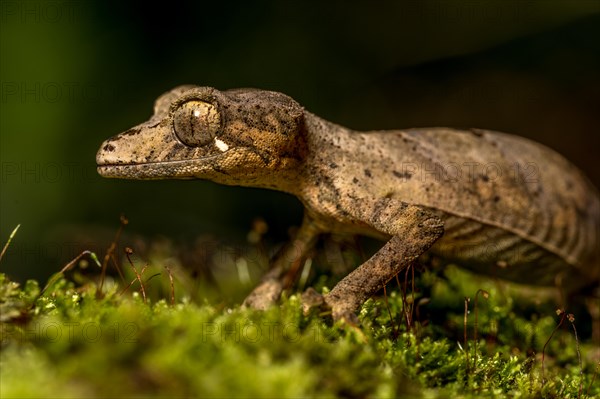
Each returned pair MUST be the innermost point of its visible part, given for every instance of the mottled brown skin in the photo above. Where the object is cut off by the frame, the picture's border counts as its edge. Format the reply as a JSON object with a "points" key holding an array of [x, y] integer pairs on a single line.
{"points": [[495, 203]]}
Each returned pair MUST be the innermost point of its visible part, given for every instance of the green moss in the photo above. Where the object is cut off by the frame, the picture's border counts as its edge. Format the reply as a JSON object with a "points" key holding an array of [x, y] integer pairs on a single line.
{"points": [[70, 343]]}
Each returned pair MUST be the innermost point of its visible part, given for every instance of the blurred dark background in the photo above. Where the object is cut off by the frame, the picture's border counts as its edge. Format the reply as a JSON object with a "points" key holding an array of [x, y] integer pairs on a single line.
{"points": [[74, 73]]}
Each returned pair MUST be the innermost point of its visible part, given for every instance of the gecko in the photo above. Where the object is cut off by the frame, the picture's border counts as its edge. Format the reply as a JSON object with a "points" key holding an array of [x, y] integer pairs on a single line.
{"points": [[491, 202]]}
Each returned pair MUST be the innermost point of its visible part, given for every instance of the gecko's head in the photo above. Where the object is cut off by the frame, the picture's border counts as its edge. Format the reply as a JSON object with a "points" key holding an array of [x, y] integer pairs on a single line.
{"points": [[232, 137]]}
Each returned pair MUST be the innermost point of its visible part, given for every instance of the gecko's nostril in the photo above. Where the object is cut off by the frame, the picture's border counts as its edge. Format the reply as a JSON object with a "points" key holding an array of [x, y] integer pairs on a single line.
{"points": [[109, 148]]}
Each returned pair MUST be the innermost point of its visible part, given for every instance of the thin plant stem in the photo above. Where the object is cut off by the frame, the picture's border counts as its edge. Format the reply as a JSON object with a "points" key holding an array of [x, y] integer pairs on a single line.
{"points": [[563, 315], [10, 237]]}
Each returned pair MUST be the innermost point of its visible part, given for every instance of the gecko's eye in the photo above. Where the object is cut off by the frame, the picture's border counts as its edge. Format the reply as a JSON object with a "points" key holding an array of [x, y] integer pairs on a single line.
{"points": [[196, 123]]}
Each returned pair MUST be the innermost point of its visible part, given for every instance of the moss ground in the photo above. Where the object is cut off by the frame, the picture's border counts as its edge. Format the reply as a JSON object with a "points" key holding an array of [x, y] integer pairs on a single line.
{"points": [[73, 342]]}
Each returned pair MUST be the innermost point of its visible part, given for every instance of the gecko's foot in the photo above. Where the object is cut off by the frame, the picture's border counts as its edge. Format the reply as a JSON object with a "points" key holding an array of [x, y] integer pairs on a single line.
{"points": [[265, 295], [341, 310], [311, 299], [346, 317]]}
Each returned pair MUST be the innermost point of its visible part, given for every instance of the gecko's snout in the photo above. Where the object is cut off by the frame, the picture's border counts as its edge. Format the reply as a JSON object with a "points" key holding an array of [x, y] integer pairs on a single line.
{"points": [[107, 158], [105, 152]]}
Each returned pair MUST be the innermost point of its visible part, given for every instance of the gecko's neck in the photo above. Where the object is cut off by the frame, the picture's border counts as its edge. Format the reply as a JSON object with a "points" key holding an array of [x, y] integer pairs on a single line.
{"points": [[316, 149], [324, 142]]}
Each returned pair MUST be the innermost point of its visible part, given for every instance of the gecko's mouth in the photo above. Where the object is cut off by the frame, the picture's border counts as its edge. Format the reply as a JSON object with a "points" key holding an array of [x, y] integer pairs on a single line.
{"points": [[177, 169]]}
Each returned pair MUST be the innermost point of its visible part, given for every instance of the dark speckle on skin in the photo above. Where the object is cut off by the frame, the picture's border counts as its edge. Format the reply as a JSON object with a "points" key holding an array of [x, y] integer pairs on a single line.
{"points": [[485, 178], [569, 184], [404, 175], [368, 173], [131, 132], [476, 132], [333, 165], [355, 180], [496, 198]]}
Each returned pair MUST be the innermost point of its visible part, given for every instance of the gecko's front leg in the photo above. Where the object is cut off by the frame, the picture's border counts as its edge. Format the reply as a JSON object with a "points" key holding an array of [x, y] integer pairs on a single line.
{"points": [[370, 277], [272, 284], [413, 230]]}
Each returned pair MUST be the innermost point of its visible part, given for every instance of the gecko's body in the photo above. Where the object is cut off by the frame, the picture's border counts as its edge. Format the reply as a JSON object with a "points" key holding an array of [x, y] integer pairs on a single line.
{"points": [[496, 203]]}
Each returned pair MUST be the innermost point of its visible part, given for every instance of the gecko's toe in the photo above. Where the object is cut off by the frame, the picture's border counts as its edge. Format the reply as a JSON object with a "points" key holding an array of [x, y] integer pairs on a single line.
{"points": [[311, 299], [348, 318]]}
